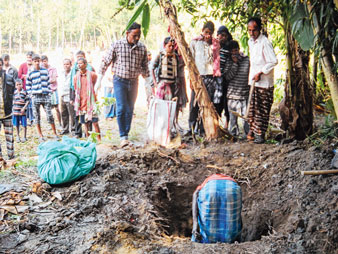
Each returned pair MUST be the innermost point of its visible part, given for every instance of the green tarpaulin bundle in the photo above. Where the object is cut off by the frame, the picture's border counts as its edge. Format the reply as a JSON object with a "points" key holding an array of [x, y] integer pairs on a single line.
{"points": [[65, 161]]}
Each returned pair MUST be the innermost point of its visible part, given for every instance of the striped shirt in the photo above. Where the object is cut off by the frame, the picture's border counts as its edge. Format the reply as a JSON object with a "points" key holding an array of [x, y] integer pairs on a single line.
{"points": [[38, 82], [19, 101], [128, 61], [238, 88], [166, 67], [225, 56]]}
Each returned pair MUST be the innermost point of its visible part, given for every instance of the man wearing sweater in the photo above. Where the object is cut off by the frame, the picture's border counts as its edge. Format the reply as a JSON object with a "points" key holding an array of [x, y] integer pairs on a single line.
{"points": [[238, 89], [38, 88]]}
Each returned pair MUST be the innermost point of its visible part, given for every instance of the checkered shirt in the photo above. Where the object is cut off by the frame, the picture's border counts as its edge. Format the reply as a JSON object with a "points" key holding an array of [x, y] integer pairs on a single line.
{"points": [[128, 61], [219, 211]]}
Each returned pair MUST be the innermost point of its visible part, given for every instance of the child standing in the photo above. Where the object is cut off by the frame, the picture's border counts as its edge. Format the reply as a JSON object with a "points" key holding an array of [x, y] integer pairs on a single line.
{"points": [[20, 103], [53, 75], [205, 51], [84, 97], [38, 88]]}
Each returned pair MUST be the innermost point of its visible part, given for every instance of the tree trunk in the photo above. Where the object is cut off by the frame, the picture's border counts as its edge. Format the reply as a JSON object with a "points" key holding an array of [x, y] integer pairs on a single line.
{"points": [[10, 41], [94, 30], [20, 38], [207, 109], [296, 109], [331, 77], [57, 33], [63, 33], [38, 37], [82, 33], [314, 75], [0, 39], [49, 37]]}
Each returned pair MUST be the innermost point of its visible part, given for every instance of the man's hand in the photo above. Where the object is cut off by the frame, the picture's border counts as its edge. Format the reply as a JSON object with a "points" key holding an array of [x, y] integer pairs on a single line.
{"points": [[71, 102], [23, 110], [257, 77]]}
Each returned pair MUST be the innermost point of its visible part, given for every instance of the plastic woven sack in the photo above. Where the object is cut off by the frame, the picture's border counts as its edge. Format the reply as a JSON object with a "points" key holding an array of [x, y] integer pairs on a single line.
{"points": [[160, 120], [65, 161]]}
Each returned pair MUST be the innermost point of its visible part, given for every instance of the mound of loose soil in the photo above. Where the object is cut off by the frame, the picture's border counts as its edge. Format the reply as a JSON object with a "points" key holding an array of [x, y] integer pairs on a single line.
{"points": [[139, 201]]}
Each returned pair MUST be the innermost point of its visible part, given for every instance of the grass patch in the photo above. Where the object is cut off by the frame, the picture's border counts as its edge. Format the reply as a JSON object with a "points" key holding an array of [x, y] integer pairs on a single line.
{"points": [[326, 132]]}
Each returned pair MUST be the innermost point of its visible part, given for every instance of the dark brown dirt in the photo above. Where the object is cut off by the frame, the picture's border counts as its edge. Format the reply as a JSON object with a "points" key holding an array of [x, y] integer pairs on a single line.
{"points": [[139, 201]]}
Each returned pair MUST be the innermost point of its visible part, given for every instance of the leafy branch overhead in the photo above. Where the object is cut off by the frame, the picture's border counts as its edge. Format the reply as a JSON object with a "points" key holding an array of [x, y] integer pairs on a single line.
{"points": [[142, 8]]}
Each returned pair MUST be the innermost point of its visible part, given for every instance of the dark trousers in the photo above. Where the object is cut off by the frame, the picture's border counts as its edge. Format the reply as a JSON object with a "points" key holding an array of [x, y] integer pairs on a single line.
{"points": [[78, 127], [209, 82], [125, 91], [67, 115], [223, 105], [193, 112]]}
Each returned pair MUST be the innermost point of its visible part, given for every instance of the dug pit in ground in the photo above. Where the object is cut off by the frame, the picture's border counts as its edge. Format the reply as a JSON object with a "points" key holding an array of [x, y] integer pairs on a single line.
{"points": [[139, 201]]}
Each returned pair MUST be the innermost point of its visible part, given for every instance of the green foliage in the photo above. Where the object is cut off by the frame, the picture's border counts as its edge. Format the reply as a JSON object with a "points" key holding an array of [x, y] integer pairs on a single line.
{"points": [[109, 135], [326, 132], [278, 93], [146, 19], [106, 101], [301, 26], [93, 136], [136, 15], [21, 164]]}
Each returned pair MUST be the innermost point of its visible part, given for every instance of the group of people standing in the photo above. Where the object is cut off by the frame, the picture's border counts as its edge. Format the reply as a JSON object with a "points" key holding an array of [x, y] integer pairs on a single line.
{"points": [[226, 73], [36, 84]]}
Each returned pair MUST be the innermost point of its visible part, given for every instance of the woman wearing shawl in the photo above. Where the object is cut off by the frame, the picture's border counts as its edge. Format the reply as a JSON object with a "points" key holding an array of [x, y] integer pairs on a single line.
{"points": [[85, 97], [165, 71], [205, 50]]}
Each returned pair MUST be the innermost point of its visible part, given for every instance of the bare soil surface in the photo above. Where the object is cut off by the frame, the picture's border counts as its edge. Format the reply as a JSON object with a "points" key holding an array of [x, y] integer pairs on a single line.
{"points": [[138, 200]]}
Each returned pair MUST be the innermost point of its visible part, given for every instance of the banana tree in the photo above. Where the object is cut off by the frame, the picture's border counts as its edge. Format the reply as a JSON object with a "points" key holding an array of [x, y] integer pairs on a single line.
{"points": [[324, 22], [296, 108]]}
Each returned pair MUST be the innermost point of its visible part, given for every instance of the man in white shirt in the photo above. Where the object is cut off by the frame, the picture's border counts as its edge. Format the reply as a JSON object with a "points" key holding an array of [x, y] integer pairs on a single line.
{"points": [[67, 109], [262, 62]]}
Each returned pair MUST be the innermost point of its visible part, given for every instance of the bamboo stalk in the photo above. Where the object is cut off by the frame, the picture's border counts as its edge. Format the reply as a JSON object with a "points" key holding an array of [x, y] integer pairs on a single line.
{"points": [[319, 172]]}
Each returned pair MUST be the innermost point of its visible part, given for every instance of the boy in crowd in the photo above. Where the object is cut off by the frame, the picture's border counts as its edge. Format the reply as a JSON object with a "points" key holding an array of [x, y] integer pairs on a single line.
{"points": [[205, 51], [149, 83], [75, 69], [53, 75], [38, 88], [24, 70], [84, 97], [20, 103], [238, 89], [6, 102]]}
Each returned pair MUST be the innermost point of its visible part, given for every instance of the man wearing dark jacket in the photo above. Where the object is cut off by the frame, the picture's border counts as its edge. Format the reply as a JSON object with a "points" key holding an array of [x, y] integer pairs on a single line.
{"points": [[11, 71], [6, 102]]}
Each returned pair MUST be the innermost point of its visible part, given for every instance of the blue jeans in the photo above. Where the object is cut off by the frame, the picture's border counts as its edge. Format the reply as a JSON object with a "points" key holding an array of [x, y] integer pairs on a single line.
{"points": [[125, 91]]}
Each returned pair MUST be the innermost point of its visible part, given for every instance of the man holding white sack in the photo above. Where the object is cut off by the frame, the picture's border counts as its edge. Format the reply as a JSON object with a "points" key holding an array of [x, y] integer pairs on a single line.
{"points": [[129, 59]]}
